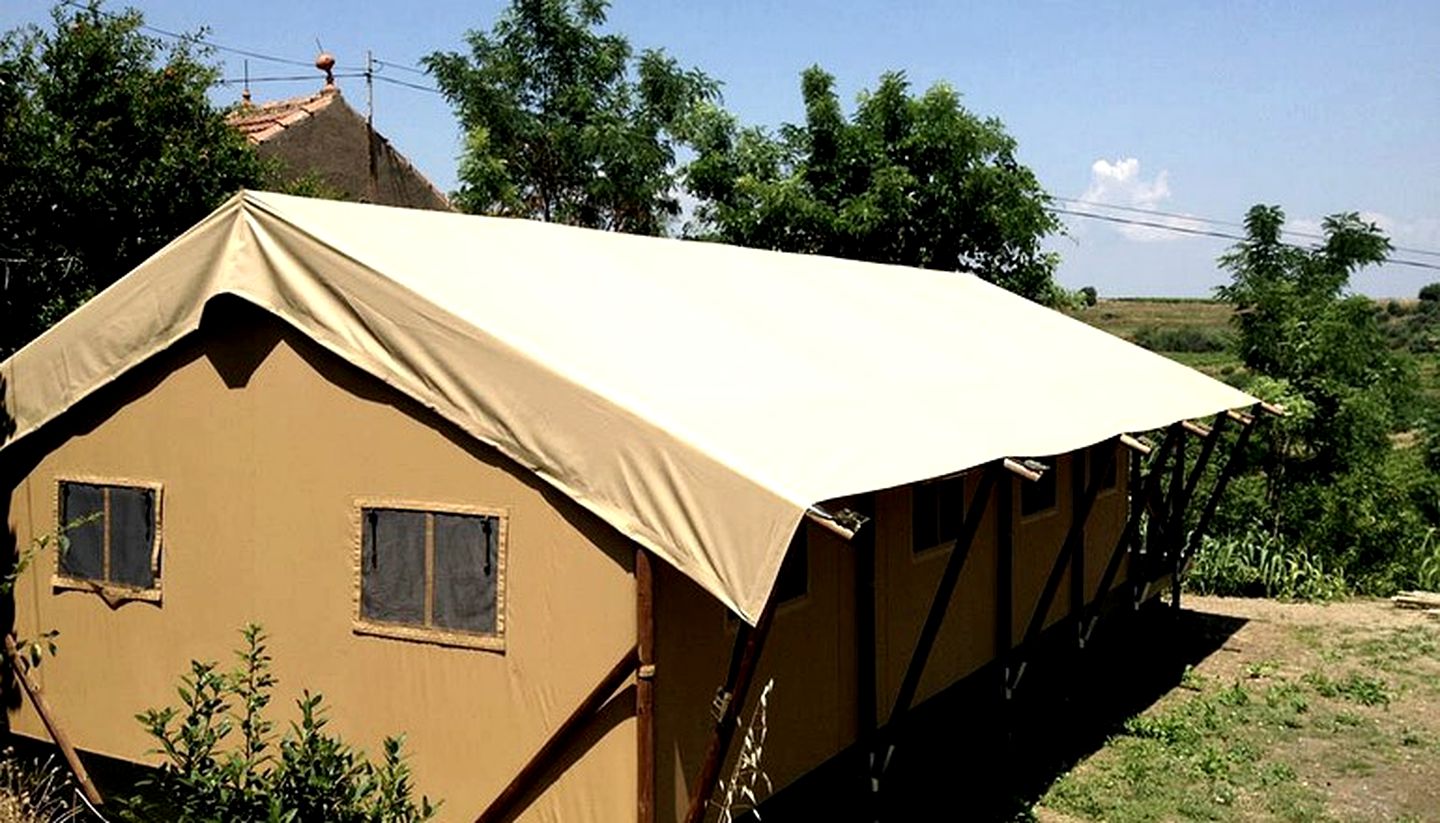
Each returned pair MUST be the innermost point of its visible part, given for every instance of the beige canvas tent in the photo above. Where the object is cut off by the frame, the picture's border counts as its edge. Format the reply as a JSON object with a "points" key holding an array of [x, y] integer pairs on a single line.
{"points": [[435, 455]]}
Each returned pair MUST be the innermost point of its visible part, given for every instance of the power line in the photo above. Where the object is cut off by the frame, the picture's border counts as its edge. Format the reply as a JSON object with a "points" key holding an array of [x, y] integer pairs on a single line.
{"points": [[1110, 218], [193, 38], [230, 81], [385, 64], [1214, 222], [407, 85]]}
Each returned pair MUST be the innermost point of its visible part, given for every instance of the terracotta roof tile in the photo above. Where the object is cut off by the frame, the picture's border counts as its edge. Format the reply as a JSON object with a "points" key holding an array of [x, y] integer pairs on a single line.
{"points": [[262, 122]]}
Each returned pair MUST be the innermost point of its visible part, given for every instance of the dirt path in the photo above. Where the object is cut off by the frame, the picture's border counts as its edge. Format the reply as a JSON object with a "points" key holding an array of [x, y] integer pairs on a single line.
{"points": [[1306, 713]]}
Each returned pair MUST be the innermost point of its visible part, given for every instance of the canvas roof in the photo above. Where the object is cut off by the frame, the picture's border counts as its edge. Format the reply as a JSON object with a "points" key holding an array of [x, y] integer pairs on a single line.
{"points": [[699, 397]]}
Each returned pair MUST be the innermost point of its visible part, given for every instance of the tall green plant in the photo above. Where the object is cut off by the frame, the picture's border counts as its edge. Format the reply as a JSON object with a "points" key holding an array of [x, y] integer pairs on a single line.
{"points": [[1328, 482], [308, 774]]}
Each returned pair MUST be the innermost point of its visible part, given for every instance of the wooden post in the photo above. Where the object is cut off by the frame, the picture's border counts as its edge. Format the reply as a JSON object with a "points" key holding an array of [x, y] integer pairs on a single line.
{"points": [[1005, 580], [553, 747], [1142, 487], [1182, 504], [1232, 464], [1074, 544], [52, 723], [863, 547], [644, 688], [749, 642], [1078, 466], [943, 592]]}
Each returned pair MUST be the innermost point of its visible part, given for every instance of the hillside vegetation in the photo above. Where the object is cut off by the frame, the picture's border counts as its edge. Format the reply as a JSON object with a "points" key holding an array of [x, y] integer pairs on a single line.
{"points": [[1198, 332]]}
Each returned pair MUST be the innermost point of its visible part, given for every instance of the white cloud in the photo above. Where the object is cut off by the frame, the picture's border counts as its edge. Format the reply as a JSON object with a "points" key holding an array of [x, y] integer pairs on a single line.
{"points": [[1416, 233], [1121, 184]]}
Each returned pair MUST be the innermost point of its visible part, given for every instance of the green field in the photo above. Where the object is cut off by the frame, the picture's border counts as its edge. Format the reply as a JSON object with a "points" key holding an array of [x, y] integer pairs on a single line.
{"points": [[1135, 319], [1198, 323]]}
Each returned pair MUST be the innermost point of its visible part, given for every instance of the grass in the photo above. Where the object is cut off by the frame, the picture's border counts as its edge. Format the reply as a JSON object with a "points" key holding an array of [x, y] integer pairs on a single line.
{"points": [[1269, 742], [1161, 318]]}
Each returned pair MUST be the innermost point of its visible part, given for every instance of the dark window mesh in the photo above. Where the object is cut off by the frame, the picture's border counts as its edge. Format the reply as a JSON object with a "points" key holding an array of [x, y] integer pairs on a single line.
{"points": [[83, 558], [926, 503], [939, 509], [392, 578], [465, 572], [1038, 495], [132, 536]]}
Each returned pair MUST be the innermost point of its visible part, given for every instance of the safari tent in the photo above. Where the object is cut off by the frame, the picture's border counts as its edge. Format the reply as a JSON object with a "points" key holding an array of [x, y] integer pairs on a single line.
{"points": [[549, 500]]}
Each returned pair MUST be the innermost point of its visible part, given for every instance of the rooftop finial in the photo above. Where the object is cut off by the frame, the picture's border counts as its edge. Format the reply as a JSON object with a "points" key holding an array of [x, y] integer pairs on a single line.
{"points": [[326, 63]]}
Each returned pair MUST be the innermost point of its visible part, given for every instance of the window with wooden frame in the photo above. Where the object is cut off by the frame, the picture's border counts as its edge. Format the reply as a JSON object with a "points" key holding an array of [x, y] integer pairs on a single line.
{"points": [[1038, 497], [1096, 456], [937, 510], [111, 538], [432, 574]]}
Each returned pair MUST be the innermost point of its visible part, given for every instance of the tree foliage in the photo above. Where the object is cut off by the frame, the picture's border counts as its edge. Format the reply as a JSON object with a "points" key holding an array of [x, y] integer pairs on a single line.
{"points": [[912, 180], [1335, 481], [109, 148], [563, 123]]}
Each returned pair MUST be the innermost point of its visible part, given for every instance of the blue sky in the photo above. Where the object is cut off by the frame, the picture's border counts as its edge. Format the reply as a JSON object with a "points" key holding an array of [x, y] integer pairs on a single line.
{"points": [[1196, 108]]}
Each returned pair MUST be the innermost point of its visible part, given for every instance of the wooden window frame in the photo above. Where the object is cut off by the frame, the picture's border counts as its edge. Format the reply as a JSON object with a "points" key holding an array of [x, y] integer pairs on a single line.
{"points": [[920, 553], [488, 641], [112, 593], [1052, 472]]}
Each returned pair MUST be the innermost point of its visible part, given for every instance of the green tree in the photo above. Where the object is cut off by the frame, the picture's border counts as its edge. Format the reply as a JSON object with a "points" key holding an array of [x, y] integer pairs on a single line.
{"points": [[109, 148], [563, 123], [1327, 481], [912, 180]]}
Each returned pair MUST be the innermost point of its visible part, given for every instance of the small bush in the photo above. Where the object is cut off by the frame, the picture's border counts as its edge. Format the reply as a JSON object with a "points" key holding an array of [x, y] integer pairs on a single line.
{"points": [[1193, 339], [207, 776], [1430, 293], [1257, 564], [1089, 296]]}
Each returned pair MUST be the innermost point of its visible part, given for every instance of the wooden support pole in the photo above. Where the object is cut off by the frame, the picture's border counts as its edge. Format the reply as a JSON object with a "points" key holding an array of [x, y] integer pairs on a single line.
{"points": [[1021, 470], [749, 642], [1136, 445], [544, 759], [1232, 465], [52, 723], [1078, 465], [644, 688], [940, 603], [1142, 487], [1005, 580], [866, 701], [1073, 544], [1182, 505]]}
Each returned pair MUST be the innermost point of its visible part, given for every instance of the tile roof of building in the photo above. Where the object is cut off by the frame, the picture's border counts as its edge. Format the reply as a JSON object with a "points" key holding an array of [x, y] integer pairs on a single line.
{"points": [[262, 122]]}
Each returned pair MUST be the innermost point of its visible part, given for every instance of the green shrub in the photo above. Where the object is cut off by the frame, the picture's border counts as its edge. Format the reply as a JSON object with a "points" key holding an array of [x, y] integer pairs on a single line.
{"points": [[1257, 564], [208, 776], [1430, 293], [1182, 339]]}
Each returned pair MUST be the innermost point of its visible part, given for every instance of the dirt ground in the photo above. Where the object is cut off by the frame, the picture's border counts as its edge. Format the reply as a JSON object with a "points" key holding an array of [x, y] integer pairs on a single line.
{"points": [[1305, 712]]}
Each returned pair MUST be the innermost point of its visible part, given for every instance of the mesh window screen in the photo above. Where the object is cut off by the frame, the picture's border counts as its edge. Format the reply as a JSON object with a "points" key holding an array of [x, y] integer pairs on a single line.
{"points": [[132, 536], [1038, 495], [923, 519], [392, 582], [83, 559], [939, 509], [465, 572]]}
